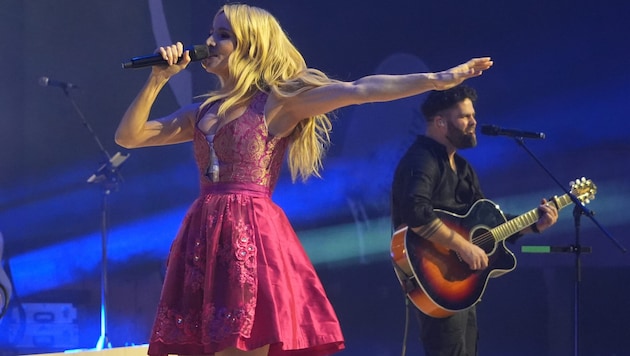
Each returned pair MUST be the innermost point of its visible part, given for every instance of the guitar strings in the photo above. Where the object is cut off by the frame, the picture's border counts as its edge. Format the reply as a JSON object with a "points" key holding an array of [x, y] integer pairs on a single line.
{"points": [[489, 236], [530, 217]]}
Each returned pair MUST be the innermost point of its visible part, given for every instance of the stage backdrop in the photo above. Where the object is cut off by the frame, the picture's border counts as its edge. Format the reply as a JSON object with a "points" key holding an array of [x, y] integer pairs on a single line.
{"points": [[560, 68]]}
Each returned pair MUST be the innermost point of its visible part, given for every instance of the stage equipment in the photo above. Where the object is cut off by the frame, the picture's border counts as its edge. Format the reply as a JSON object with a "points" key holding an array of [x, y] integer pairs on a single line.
{"points": [[579, 209], [108, 178], [5, 284]]}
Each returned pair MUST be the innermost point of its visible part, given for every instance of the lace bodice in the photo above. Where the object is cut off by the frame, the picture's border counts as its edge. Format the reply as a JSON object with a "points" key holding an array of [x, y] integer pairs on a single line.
{"points": [[244, 149]]}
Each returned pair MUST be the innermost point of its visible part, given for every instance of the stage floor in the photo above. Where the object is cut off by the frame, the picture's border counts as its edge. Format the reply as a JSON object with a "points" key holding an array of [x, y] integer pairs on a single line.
{"points": [[140, 350]]}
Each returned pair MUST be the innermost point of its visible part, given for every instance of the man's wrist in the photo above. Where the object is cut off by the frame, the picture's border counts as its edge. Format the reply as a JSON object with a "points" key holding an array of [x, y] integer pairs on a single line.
{"points": [[535, 228]]}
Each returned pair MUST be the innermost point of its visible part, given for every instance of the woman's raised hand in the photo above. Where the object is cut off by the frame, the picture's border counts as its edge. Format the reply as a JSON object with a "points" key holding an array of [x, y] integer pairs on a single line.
{"points": [[456, 75], [172, 54]]}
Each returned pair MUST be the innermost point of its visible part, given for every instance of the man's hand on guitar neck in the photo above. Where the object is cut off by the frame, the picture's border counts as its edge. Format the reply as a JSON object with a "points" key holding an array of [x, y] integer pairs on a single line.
{"points": [[437, 232], [548, 215]]}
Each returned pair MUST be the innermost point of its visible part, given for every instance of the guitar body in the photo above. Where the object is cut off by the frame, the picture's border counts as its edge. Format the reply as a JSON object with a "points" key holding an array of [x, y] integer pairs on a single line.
{"points": [[437, 281], [434, 278]]}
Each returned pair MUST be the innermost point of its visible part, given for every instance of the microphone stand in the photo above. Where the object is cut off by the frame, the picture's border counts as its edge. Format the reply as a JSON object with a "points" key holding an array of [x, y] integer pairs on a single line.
{"points": [[577, 249], [108, 177]]}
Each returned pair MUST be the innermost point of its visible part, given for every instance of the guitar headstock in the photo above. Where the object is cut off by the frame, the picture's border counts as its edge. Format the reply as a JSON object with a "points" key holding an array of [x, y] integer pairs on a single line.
{"points": [[583, 189]]}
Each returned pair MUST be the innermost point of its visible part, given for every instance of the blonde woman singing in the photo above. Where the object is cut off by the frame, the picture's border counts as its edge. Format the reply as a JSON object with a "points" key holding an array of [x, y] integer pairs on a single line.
{"points": [[238, 281]]}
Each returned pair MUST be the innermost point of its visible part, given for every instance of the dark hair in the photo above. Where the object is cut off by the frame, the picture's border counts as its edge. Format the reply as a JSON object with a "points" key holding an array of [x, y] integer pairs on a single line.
{"points": [[437, 101]]}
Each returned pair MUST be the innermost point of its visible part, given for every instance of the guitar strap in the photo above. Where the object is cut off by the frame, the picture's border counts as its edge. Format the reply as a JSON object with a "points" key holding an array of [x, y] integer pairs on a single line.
{"points": [[405, 281]]}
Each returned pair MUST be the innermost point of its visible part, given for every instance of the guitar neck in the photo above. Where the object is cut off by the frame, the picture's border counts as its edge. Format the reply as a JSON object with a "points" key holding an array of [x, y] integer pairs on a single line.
{"points": [[521, 222]]}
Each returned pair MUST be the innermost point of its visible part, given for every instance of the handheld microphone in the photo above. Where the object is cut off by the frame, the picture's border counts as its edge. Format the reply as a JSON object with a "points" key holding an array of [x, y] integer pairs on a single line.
{"points": [[197, 53], [47, 82], [492, 130]]}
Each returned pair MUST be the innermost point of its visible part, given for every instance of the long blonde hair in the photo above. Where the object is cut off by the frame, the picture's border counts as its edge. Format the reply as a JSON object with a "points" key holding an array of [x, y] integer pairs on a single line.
{"points": [[265, 60]]}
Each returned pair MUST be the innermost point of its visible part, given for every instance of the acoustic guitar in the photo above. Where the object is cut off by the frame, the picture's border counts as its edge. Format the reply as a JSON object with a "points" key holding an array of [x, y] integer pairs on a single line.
{"points": [[437, 281]]}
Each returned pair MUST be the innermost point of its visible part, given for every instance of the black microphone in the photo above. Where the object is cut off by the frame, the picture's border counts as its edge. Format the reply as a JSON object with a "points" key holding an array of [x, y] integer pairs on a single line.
{"points": [[197, 53], [492, 130], [47, 82]]}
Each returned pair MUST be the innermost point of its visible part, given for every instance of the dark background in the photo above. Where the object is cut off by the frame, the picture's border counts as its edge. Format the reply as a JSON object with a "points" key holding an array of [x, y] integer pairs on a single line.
{"points": [[560, 68]]}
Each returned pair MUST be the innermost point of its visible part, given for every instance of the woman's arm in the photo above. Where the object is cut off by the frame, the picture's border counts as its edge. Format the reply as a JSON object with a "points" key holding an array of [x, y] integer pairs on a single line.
{"points": [[135, 129], [375, 88]]}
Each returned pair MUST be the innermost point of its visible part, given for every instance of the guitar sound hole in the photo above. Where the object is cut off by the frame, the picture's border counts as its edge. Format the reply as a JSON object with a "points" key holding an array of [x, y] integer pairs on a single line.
{"points": [[483, 239]]}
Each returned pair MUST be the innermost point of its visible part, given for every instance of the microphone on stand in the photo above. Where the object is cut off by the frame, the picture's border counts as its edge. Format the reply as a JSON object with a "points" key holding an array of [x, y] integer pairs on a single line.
{"points": [[47, 82], [197, 53], [492, 130]]}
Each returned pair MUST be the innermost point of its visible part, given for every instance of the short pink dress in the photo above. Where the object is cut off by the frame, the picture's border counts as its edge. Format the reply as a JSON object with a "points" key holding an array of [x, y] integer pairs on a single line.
{"points": [[237, 275]]}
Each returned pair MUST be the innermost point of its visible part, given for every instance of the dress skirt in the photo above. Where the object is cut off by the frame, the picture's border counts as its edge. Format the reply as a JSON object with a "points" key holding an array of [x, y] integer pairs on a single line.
{"points": [[237, 276]]}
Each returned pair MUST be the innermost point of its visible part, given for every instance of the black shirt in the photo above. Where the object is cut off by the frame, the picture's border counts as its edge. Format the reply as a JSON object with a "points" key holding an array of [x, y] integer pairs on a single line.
{"points": [[424, 181]]}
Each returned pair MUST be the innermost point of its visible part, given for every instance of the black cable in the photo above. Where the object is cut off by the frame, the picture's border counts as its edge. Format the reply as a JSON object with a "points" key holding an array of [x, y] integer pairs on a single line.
{"points": [[406, 331]]}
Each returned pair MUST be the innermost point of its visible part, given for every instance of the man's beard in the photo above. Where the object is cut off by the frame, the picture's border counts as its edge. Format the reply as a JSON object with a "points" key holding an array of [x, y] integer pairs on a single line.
{"points": [[459, 138]]}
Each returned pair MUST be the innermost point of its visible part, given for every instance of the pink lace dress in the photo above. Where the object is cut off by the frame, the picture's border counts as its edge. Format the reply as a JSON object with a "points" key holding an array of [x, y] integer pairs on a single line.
{"points": [[237, 275]]}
